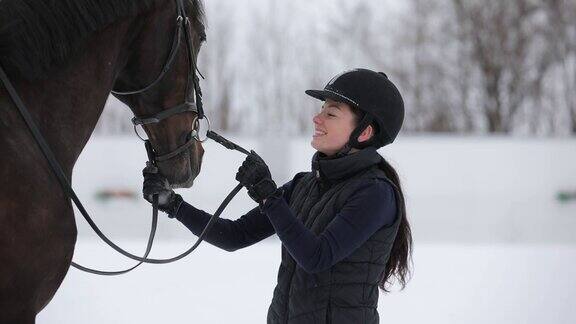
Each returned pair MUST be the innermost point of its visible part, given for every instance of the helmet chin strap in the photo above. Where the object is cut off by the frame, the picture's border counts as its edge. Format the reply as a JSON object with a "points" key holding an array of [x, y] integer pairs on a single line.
{"points": [[353, 140]]}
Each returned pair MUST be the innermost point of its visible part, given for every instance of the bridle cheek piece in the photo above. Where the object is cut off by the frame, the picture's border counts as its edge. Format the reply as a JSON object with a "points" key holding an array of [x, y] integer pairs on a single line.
{"points": [[183, 26]]}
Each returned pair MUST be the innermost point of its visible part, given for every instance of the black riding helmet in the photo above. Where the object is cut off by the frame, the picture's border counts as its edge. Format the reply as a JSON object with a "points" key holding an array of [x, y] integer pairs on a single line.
{"points": [[375, 95]]}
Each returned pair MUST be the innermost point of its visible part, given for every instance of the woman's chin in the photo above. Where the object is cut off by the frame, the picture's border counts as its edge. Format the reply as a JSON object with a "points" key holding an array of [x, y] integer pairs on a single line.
{"points": [[317, 146], [322, 148], [313, 143]]}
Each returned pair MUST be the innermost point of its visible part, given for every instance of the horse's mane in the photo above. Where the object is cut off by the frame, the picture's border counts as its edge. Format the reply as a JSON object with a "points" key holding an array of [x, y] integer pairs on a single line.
{"points": [[39, 35]]}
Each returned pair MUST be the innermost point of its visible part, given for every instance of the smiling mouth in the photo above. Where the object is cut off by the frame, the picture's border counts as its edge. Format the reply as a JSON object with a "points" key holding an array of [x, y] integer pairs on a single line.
{"points": [[318, 133]]}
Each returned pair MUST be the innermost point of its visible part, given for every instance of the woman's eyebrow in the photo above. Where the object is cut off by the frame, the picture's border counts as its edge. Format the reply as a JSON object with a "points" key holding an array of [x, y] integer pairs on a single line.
{"points": [[333, 105]]}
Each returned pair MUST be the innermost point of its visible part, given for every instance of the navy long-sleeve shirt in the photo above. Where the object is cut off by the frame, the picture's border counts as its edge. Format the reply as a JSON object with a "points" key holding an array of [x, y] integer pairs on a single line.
{"points": [[372, 206]]}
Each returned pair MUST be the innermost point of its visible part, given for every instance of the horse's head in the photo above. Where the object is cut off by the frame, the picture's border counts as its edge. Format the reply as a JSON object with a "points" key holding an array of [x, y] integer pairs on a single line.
{"points": [[160, 84]]}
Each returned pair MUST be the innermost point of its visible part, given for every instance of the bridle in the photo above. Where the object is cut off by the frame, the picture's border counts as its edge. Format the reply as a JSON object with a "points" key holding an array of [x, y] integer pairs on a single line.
{"points": [[195, 106], [183, 24]]}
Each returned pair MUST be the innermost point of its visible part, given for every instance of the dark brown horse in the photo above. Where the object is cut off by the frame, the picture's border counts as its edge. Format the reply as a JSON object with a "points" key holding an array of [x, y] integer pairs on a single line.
{"points": [[64, 57]]}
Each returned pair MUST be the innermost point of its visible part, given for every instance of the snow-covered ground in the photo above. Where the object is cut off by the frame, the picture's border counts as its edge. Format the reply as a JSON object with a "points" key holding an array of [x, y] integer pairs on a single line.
{"points": [[492, 244], [452, 284]]}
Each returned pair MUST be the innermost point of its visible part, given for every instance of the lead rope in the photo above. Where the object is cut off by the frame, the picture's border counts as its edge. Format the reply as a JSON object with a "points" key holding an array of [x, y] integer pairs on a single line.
{"points": [[148, 247], [59, 173], [65, 184]]}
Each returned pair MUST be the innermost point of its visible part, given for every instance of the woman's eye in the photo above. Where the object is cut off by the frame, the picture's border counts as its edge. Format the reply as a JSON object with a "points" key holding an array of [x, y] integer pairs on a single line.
{"points": [[331, 115]]}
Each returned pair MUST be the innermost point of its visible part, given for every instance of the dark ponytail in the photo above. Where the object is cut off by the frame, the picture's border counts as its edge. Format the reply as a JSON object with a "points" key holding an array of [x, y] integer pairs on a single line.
{"points": [[400, 261]]}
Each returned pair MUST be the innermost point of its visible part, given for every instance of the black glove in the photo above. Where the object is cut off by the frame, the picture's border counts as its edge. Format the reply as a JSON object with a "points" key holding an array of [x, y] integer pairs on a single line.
{"points": [[156, 184], [255, 176]]}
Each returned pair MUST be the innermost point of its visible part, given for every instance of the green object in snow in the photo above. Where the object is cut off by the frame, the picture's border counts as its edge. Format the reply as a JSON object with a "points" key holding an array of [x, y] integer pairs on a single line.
{"points": [[566, 196]]}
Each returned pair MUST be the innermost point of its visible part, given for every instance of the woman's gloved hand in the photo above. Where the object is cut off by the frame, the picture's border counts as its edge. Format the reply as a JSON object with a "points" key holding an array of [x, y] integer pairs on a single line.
{"points": [[156, 184], [255, 176]]}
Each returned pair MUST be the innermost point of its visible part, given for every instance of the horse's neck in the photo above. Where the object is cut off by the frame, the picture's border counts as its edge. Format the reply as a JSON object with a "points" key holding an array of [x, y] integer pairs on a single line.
{"points": [[68, 105]]}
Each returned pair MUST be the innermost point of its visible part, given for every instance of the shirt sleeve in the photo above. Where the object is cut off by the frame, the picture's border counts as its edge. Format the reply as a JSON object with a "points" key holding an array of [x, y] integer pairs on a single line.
{"points": [[366, 211], [230, 235]]}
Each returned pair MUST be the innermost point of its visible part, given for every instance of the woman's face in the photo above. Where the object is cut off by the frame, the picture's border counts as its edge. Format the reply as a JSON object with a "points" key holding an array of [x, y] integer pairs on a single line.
{"points": [[332, 127]]}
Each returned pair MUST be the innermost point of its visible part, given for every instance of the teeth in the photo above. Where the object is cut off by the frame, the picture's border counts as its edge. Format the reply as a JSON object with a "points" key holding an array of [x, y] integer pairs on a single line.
{"points": [[319, 133]]}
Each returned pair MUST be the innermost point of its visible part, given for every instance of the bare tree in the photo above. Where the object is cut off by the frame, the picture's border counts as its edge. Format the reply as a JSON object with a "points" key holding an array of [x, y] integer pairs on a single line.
{"points": [[216, 60], [507, 52], [427, 63], [462, 66], [561, 17]]}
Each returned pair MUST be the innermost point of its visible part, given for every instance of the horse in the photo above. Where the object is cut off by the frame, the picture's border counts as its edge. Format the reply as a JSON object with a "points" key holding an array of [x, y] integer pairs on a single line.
{"points": [[64, 57]]}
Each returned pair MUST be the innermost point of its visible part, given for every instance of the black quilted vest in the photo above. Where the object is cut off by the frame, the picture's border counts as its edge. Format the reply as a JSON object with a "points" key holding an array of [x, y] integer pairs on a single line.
{"points": [[348, 291]]}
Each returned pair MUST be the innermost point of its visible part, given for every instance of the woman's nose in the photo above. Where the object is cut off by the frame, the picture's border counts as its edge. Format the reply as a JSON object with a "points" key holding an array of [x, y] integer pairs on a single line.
{"points": [[316, 119]]}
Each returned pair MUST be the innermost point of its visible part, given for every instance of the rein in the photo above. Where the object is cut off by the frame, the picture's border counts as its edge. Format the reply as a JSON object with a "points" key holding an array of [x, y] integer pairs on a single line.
{"points": [[183, 23], [65, 184]]}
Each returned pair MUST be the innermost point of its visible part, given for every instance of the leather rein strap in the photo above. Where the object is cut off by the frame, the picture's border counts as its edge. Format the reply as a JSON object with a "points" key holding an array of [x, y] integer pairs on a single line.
{"points": [[59, 173], [182, 22]]}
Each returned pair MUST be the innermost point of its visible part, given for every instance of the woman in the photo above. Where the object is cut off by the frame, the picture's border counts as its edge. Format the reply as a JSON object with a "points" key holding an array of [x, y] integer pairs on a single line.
{"points": [[343, 226]]}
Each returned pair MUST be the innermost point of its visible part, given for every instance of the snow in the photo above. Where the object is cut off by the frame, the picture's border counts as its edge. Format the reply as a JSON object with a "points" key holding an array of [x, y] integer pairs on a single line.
{"points": [[491, 242], [452, 283]]}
